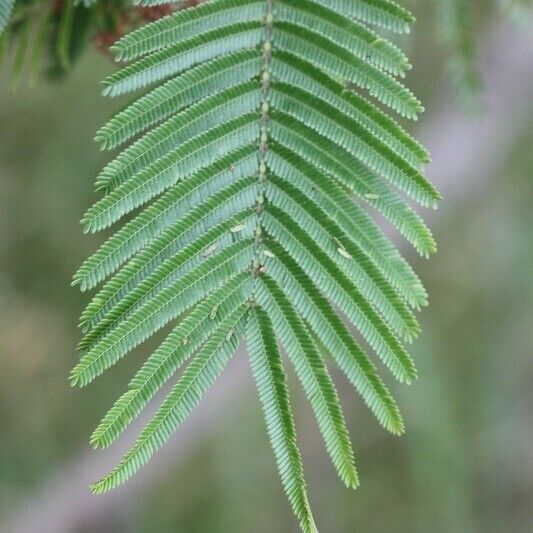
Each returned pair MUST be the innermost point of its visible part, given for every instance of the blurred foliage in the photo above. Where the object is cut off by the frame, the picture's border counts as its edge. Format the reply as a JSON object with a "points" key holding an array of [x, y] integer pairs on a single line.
{"points": [[464, 466], [44, 38]]}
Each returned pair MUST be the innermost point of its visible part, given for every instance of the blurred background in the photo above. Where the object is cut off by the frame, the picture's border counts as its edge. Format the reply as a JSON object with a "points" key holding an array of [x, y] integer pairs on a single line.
{"points": [[466, 461]]}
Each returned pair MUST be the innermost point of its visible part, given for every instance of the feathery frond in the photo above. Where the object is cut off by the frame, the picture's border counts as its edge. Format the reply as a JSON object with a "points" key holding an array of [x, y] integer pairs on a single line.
{"points": [[313, 376], [271, 382], [261, 147], [207, 364]]}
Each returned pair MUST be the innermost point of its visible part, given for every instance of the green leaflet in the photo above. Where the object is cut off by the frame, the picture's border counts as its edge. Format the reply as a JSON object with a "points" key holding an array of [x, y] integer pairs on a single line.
{"points": [[346, 133], [182, 246], [342, 291], [294, 71], [155, 219], [178, 93], [334, 336], [330, 158], [222, 107], [313, 376], [353, 261], [200, 374], [353, 36], [386, 13], [273, 394], [257, 160], [175, 59], [338, 62], [184, 340], [122, 336], [352, 219], [132, 295], [163, 173], [187, 24]]}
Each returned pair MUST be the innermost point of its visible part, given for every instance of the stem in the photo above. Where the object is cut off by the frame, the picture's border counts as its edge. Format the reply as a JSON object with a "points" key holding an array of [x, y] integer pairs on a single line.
{"points": [[263, 136]]}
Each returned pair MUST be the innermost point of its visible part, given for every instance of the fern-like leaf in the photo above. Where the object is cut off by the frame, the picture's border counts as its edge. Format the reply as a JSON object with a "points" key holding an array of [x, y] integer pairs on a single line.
{"points": [[196, 380], [313, 376], [263, 144], [271, 383]]}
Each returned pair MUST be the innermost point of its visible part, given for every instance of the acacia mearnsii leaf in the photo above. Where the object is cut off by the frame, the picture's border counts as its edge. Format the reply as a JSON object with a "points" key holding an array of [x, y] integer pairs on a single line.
{"points": [[330, 279], [313, 376], [178, 250], [350, 34], [201, 373], [294, 71], [336, 161], [180, 344], [271, 383], [251, 169], [137, 291], [178, 93], [199, 118], [181, 244], [339, 62], [162, 174], [334, 335], [177, 202], [158, 311], [346, 252], [386, 13], [186, 24], [351, 218], [175, 59], [347, 133]]}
